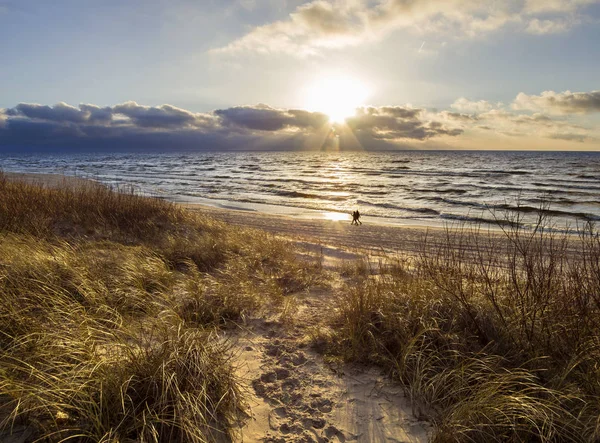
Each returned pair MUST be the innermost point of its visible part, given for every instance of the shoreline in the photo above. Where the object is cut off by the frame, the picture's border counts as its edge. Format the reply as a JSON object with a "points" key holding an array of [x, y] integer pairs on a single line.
{"points": [[315, 232], [269, 209]]}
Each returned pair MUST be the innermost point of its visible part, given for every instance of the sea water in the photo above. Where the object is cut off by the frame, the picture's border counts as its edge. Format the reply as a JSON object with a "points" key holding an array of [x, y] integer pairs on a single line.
{"points": [[406, 187]]}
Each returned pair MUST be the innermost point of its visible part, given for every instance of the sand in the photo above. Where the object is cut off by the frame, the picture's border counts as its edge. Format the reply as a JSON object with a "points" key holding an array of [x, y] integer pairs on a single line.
{"points": [[294, 396], [368, 236]]}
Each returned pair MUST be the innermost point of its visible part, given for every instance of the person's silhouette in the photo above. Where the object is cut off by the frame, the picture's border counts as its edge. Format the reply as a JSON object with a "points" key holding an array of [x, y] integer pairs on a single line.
{"points": [[358, 217]]}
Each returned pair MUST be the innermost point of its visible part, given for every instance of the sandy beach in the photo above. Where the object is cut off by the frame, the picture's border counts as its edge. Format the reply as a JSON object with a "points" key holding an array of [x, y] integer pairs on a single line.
{"points": [[370, 236]]}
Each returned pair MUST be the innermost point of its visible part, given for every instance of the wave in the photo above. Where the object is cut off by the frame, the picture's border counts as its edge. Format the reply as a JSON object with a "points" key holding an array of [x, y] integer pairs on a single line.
{"points": [[594, 177], [520, 209], [546, 211], [375, 192], [590, 188], [479, 220], [398, 208], [440, 191], [502, 171], [296, 194]]}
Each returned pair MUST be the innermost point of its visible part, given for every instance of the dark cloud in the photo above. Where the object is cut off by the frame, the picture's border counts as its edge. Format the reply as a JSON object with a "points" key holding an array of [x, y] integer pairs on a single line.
{"points": [[164, 116], [96, 114], [398, 123], [61, 112], [570, 137], [134, 127], [265, 118]]}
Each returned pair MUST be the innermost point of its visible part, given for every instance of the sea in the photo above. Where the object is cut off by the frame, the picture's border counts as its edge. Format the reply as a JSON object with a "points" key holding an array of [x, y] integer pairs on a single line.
{"points": [[431, 188]]}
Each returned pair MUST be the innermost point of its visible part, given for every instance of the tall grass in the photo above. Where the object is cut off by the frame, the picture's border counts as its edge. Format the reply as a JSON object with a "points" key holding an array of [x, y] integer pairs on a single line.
{"points": [[496, 338], [110, 305], [82, 210]]}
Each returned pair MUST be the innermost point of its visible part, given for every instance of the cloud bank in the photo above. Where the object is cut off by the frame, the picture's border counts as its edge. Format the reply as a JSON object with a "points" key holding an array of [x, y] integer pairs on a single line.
{"points": [[322, 24], [130, 126]]}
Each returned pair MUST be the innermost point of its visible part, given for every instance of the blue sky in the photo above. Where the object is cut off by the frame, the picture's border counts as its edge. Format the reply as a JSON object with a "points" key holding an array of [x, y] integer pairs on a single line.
{"points": [[513, 74]]}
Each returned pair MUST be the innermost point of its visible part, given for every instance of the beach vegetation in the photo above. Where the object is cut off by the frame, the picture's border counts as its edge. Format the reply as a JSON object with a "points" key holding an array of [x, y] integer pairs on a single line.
{"points": [[494, 335], [113, 308]]}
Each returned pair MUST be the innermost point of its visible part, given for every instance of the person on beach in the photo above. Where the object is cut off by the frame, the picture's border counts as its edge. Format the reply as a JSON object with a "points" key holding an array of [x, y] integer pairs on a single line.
{"points": [[356, 218]]}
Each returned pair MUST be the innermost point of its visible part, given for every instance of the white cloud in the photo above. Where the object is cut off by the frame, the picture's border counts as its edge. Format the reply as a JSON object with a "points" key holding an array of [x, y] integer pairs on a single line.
{"points": [[559, 102], [555, 6], [541, 27], [475, 107], [321, 24]]}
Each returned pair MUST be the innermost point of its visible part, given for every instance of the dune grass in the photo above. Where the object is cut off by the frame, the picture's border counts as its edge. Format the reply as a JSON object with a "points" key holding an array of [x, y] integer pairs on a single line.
{"points": [[110, 309], [496, 338]]}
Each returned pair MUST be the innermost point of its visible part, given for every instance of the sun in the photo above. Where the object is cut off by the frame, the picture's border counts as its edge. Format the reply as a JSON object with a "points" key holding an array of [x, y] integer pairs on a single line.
{"points": [[337, 96]]}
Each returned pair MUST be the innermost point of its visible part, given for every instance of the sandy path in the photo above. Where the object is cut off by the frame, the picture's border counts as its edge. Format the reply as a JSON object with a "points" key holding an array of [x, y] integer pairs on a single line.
{"points": [[295, 397]]}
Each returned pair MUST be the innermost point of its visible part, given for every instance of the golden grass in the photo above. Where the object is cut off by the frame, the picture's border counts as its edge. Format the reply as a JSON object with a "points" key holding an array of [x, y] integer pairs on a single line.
{"points": [[495, 339], [109, 308]]}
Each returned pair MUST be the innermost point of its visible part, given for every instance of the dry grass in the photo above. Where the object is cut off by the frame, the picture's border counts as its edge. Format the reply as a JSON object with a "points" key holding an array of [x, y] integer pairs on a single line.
{"points": [[495, 338], [110, 305]]}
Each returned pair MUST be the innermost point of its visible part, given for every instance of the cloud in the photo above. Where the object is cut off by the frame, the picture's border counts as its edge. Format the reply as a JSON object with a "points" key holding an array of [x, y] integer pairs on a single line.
{"points": [[538, 125], [265, 118], [164, 116], [559, 102], [96, 114], [465, 105], [457, 116], [398, 123], [540, 27], [571, 137], [555, 6], [133, 127], [59, 112], [322, 24]]}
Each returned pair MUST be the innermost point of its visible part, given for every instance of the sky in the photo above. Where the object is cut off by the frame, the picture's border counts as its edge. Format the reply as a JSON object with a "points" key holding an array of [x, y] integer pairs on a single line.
{"points": [[158, 75]]}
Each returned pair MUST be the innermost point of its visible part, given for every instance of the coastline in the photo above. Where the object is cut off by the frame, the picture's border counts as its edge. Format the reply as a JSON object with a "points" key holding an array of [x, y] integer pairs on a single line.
{"points": [[312, 227]]}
